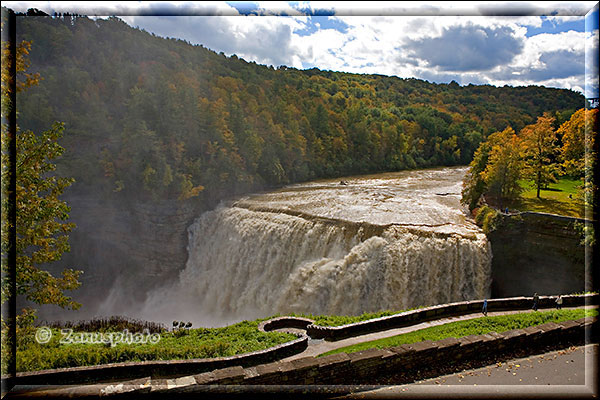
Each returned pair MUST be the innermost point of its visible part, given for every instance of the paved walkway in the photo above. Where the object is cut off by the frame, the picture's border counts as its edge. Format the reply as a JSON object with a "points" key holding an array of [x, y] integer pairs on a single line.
{"points": [[316, 347], [570, 372]]}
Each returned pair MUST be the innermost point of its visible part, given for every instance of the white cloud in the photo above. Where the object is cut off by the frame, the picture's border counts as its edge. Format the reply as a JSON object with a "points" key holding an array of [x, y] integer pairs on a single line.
{"points": [[467, 48], [537, 45], [277, 8], [264, 39]]}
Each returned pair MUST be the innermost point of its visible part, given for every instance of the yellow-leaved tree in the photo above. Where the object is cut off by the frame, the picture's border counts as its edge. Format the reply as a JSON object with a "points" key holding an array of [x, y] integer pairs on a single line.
{"points": [[578, 134], [504, 166], [39, 215], [578, 155], [540, 151]]}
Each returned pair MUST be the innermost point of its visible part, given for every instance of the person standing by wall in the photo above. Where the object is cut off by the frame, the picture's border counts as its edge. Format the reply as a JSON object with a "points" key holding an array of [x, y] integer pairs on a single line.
{"points": [[536, 298], [484, 309], [559, 302]]}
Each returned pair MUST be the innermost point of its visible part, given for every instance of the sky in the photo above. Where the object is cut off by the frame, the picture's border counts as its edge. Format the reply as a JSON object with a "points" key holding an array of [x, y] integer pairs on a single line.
{"points": [[549, 43]]}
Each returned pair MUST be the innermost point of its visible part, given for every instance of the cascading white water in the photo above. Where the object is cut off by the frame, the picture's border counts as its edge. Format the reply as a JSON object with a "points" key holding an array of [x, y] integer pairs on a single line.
{"points": [[391, 241]]}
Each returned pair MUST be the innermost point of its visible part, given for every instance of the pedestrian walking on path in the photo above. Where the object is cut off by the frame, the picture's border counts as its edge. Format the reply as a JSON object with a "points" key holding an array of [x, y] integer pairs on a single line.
{"points": [[484, 310], [559, 302], [536, 298]]}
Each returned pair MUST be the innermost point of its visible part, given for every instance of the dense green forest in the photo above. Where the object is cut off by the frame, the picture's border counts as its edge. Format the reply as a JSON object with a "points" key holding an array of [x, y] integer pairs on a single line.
{"points": [[165, 119]]}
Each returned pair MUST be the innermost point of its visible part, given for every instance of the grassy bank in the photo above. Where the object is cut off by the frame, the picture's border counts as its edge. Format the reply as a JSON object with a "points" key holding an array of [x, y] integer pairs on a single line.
{"points": [[235, 339], [554, 199], [476, 326]]}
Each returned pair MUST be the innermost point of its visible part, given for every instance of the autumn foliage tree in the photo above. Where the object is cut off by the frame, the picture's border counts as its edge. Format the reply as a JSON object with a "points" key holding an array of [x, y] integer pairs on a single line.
{"points": [[540, 150], [42, 233], [474, 185], [577, 136], [40, 223], [578, 155], [504, 166]]}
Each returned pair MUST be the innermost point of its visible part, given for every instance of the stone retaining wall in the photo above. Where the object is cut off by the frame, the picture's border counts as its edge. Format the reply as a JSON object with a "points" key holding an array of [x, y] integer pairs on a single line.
{"points": [[369, 366], [441, 311]]}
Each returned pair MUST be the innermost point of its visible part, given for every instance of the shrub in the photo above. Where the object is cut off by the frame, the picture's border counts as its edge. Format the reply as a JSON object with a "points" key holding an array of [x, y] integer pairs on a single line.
{"points": [[115, 323], [487, 218]]}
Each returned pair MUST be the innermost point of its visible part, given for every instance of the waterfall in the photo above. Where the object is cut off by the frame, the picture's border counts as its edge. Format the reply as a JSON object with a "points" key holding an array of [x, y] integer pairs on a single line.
{"points": [[256, 258], [245, 264]]}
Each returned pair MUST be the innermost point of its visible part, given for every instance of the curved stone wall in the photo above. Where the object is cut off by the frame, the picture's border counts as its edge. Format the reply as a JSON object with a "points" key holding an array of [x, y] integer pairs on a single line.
{"points": [[397, 365], [441, 311], [284, 322]]}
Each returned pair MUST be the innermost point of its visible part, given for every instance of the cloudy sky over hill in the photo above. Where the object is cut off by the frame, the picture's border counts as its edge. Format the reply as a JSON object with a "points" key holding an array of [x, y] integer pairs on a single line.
{"points": [[517, 43]]}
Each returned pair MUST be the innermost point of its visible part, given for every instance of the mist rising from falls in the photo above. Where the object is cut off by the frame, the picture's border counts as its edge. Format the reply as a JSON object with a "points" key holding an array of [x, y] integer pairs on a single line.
{"points": [[255, 259]]}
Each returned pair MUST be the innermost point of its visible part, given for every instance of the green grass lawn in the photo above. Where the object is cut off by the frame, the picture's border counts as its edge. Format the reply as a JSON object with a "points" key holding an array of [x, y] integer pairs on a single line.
{"points": [[554, 200], [476, 326], [235, 339]]}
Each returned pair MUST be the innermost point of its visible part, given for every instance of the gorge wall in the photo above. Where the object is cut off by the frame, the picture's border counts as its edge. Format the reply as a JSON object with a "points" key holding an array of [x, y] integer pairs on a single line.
{"points": [[125, 248], [536, 252]]}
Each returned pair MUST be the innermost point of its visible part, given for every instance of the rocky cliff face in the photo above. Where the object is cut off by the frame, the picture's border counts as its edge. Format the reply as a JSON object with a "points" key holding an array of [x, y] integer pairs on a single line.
{"points": [[534, 252]]}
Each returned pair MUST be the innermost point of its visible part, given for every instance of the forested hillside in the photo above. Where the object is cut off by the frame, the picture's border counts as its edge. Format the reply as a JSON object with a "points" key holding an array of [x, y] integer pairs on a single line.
{"points": [[163, 119]]}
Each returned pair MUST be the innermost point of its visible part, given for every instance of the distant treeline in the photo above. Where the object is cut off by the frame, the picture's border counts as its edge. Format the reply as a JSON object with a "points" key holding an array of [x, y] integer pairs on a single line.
{"points": [[165, 119]]}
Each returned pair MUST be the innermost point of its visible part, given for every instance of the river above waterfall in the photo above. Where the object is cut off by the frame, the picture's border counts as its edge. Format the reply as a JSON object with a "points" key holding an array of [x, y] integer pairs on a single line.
{"points": [[429, 199], [341, 246]]}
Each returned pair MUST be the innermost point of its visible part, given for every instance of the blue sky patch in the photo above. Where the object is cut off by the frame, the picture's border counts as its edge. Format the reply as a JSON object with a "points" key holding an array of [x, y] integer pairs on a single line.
{"points": [[250, 8], [245, 8], [312, 11], [324, 22], [549, 26]]}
